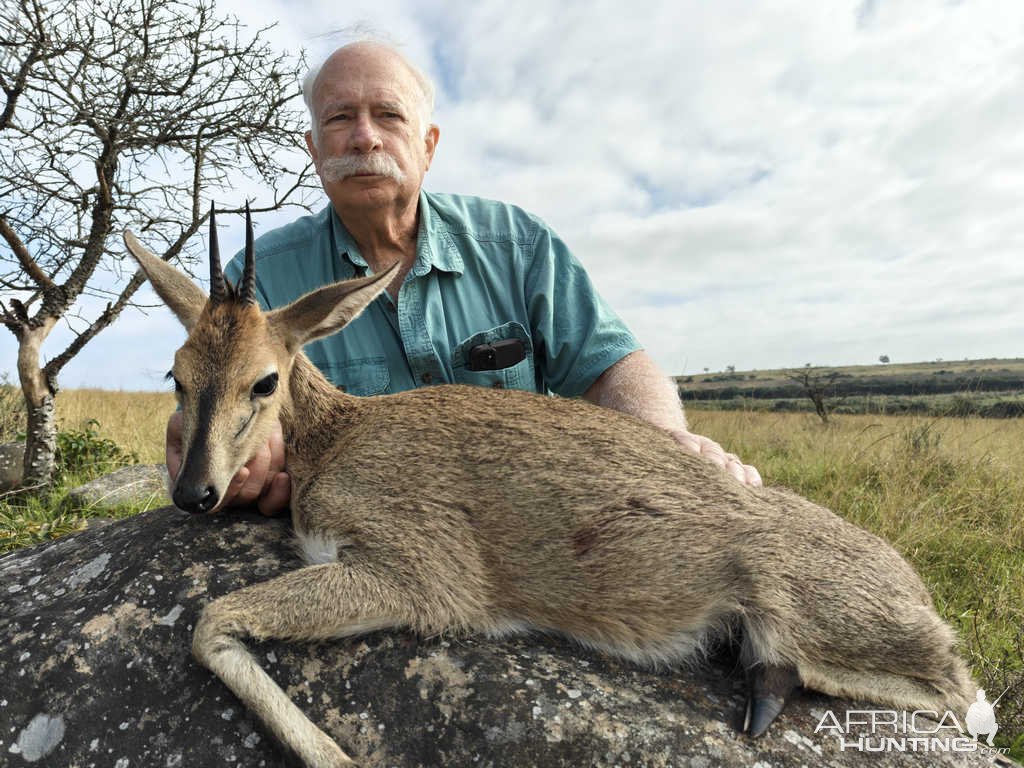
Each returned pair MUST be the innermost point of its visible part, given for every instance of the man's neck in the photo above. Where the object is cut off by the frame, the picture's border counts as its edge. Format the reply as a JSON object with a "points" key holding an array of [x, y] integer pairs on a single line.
{"points": [[384, 234]]}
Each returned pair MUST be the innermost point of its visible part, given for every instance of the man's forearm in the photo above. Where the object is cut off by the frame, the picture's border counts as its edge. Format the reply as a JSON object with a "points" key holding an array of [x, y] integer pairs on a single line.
{"points": [[635, 385]]}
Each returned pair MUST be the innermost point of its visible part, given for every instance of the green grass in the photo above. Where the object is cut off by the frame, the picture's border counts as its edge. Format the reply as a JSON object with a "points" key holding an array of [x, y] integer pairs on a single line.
{"points": [[82, 455], [33, 518]]}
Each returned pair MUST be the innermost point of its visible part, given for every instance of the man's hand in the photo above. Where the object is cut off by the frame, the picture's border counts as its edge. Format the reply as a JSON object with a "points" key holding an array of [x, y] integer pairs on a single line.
{"points": [[635, 385], [261, 480], [714, 453]]}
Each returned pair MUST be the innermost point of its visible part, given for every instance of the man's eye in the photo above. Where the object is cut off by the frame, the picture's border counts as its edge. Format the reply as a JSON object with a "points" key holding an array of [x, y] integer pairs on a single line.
{"points": [[265, 386]]}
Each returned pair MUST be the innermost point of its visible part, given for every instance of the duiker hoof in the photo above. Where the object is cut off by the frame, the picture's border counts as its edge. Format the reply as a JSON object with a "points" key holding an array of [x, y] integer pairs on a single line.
{"points": [[768, 688], [760, 714]]}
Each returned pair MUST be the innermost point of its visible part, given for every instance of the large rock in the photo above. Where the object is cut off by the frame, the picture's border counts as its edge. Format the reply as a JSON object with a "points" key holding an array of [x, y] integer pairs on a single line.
{"points": [[96, 671], [129, 485], [12, 465]]}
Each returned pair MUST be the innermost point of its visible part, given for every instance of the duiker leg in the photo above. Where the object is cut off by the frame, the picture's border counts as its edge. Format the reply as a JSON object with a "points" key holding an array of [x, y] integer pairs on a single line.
{"points": [[893, 688], [315, 603]]}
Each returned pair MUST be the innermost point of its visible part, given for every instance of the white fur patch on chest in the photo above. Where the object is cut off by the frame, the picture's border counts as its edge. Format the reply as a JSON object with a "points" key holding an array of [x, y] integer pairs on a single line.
{"points": [[319, 547]]}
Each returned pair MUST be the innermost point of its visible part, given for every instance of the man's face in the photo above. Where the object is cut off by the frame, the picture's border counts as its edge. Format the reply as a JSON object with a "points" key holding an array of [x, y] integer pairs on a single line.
{"points": [[371, 149]]}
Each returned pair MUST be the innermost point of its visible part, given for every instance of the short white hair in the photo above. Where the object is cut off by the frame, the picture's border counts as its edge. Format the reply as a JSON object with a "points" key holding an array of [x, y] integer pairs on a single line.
{"points": [[425, 108]]}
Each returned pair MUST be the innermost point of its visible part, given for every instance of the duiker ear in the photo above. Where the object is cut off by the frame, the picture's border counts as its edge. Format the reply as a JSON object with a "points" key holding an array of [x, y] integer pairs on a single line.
{"points": [[328, 309], [185, 298]]}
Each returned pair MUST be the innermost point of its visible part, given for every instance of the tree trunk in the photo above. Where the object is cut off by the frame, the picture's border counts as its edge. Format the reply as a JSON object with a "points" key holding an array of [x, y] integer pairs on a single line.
{"points": [[818, 398], [39, 391], [40, 443]]}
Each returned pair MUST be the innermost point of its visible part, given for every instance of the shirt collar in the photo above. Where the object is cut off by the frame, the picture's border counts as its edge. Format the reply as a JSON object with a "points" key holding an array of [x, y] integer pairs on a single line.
{"points": [[433, 246]]}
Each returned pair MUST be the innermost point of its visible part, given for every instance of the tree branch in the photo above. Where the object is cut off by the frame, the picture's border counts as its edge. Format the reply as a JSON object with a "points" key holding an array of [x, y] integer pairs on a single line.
{"points": [[24, 257], [17, 87], [166, 104], [53, 367]]}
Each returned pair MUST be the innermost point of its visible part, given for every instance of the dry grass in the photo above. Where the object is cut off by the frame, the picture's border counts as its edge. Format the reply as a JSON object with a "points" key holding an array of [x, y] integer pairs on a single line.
{"points": [[134, 420]]}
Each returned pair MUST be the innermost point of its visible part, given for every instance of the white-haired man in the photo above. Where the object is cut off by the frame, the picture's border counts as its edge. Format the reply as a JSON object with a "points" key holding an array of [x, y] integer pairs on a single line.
{"points": [[487, 294]]}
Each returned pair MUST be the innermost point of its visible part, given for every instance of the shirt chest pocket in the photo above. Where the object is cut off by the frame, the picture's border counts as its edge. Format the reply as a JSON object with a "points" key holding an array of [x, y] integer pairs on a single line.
{"points": [[520, 375], [362, 377]]}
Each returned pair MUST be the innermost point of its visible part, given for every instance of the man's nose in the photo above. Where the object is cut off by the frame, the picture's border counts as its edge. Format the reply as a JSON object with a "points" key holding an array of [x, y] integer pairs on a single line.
{"points": [[364, 137]]}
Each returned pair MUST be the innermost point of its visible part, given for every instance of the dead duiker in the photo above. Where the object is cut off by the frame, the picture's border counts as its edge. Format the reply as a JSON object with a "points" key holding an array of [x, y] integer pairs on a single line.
{"points": [[462, 509]]}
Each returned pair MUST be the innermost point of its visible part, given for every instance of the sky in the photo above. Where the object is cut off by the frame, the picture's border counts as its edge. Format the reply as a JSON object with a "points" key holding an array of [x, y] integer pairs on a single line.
{"points": [[748, 184]]}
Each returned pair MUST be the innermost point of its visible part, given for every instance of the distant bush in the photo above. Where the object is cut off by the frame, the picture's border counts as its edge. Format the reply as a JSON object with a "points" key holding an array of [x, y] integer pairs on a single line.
{"points": [[961, 406], [786, 405], [1004, 409]]}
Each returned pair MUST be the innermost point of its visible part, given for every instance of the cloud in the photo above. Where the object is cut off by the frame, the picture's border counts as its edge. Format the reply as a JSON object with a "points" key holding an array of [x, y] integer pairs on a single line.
{"points": [[755, 185], [803, 175]]}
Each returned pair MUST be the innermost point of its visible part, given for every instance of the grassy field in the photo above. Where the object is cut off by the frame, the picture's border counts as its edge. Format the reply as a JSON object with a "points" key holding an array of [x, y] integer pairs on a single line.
{"points": [[944, 375], [947, 492], [991, 388]]}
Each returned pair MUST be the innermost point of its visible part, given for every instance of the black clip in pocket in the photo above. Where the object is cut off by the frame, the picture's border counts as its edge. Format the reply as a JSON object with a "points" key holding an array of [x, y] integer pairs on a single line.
{"points": [[493, 357]]}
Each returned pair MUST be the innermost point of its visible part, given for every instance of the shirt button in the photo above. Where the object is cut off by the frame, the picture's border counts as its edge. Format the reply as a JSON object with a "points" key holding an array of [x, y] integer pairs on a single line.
{"points": [[426, 378]]}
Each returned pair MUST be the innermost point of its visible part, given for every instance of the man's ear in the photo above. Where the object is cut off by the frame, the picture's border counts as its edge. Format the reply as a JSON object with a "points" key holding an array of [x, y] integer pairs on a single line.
{"points": [[311, 146], [185, 299], [432, 136], [328, 309]]}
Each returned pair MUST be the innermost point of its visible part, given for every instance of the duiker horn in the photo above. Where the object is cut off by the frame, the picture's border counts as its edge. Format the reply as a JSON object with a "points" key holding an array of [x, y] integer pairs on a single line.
{"points": [[218, 288], [247, 294]]}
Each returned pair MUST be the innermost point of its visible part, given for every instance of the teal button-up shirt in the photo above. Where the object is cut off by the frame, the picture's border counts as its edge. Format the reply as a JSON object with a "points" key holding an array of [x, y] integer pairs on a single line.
{"points": [[484, 271]]}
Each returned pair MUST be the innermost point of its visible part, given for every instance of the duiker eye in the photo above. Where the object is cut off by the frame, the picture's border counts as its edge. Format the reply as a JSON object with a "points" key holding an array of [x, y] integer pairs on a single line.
{"points": [[171, 377], [265, 386]]}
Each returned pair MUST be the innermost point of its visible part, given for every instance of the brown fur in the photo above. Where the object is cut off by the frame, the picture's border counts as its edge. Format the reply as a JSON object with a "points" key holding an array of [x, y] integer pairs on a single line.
{"points": [[460, 509]]}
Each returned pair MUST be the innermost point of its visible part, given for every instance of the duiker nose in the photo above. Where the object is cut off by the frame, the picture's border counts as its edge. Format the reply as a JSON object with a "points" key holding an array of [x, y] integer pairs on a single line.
{"points": [[195, 499]]}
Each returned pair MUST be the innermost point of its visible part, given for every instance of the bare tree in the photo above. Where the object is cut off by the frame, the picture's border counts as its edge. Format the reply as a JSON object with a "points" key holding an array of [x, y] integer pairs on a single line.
{"points": [[118, 113], [816, 383]]}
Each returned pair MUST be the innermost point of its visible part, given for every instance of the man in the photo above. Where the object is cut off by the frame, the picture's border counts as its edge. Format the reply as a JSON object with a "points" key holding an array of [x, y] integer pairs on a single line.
{"points": [[477, 276]]}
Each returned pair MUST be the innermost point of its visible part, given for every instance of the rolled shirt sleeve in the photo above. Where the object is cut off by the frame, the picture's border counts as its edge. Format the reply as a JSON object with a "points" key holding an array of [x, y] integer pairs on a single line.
{"points": [[577, 336]]}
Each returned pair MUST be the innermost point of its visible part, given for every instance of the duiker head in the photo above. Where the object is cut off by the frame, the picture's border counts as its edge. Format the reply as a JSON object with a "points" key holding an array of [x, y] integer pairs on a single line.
{"points": [[232, 373]]}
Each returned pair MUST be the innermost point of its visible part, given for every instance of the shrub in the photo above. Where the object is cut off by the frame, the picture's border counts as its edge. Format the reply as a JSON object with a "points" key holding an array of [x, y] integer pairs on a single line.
{"points": [[85, 452]]}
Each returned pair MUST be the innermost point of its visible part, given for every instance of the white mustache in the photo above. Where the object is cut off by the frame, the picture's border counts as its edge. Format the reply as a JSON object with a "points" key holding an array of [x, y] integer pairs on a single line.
{"points": [[341, 167]]}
